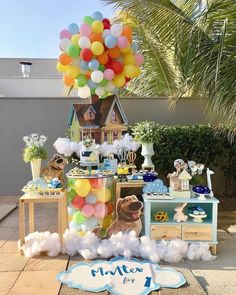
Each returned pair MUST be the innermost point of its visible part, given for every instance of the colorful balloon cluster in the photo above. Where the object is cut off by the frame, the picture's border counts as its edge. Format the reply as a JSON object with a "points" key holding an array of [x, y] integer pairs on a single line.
{"points": [[98, 57], [90, 203]]}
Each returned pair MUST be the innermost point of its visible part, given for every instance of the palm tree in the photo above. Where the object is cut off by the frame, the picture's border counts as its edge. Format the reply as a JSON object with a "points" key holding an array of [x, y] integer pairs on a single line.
{"points": [[189, 48]]}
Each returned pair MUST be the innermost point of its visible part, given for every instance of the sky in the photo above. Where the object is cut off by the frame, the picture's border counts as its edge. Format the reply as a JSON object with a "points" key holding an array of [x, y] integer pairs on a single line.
{"points": [[30, 28]]}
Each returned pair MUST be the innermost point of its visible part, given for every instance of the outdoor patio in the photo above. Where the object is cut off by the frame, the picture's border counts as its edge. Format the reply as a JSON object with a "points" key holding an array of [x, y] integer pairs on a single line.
{"points": [[21, 275]]}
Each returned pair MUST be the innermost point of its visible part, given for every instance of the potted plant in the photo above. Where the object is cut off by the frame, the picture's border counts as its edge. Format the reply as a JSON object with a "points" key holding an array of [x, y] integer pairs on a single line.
{"points": [[146, 133], [34, 152]]}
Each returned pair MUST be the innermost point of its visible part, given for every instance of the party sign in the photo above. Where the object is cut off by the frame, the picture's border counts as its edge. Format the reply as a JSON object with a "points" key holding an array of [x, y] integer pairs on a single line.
{"points": [[98, 57], [119, 275]]}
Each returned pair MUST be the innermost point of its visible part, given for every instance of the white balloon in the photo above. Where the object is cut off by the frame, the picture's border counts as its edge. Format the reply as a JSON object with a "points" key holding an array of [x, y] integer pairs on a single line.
{"points": [[97, 76], [84, 92], [110, 86], [84, 42], [105, 33], [100, 91], [116, 30], [64, 43]]}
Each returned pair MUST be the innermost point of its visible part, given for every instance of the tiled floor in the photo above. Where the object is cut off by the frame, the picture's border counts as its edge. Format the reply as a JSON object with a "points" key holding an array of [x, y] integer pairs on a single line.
{"points": [[33, 276]]}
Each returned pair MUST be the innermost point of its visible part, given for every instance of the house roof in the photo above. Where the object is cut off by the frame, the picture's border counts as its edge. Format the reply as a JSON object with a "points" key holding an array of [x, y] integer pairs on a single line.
{"points": [[184, 175], [102, 110]]}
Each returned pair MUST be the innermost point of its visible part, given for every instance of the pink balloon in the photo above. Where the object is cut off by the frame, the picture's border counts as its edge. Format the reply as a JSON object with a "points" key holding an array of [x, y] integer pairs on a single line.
{"points": [[122, 42], [100, 210], [139, 58], [88, 210], [85, 30], [109, 74], [65, 34]]}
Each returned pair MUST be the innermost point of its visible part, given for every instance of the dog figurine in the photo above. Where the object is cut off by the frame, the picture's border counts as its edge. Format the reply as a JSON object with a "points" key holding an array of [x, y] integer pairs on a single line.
{"points": [[179, 215], [128, 211], [55, 168]]}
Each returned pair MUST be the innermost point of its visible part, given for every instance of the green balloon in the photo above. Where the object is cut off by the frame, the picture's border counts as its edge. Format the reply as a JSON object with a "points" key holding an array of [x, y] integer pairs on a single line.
{"points": [[70, 181], [71, 194], [92, 91], [103, 82], [88, 20], [73, 50], [81, 80], [104, 95], [101, 68], [78, 217]]}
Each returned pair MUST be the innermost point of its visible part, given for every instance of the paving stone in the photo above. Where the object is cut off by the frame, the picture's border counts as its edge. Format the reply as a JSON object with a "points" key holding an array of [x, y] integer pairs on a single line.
{"points": [[12, 261], [5, 234], [6, 209], [7, 280], [44, 263], [36, 283]]}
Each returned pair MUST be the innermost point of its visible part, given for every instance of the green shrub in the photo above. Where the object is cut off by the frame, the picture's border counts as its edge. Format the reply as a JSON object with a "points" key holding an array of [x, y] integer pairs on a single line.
{"points": [[201, 143], [145, 132], [34, 152]]}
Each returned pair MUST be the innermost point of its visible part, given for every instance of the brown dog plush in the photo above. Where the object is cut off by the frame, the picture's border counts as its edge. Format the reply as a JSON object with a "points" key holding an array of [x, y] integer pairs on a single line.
{"points": [[128, 211], [55, 168]]}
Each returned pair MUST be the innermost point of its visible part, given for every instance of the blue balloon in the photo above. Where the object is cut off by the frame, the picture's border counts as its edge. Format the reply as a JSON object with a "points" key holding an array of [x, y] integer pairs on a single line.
{"points": [[91, 84], [73, 28], [134, 46], [97, 16], [115, 91], [110, 41], [84, 65], [93, 65]]}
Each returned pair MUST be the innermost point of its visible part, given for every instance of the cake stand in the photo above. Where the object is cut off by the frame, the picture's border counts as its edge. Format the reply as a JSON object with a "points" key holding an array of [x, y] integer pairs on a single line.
{"points": [[197, 218]]}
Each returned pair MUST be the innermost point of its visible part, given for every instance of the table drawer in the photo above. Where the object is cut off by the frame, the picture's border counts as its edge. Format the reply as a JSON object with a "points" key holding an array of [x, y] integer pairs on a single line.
{"points": [[193, 233], [166, 232]]}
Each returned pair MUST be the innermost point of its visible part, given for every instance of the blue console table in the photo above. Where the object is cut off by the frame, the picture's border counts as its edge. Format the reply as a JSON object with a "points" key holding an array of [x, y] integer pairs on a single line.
{"points": [[189, 231]]}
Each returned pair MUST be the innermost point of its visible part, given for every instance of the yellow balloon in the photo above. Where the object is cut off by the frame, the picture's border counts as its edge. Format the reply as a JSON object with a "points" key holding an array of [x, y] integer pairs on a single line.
{"points": [[129, 59], [74, 39], [119, 80], [72, 71], [103, 194], [61, 68], [82, 187], [130, 71], [127, 49], [138, 72], [107, 221], [97, 48], [97, 26]]}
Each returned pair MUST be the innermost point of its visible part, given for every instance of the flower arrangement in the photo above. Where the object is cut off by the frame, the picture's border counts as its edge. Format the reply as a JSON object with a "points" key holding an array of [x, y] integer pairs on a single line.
{"points": [[34, 147], [146, 132]]}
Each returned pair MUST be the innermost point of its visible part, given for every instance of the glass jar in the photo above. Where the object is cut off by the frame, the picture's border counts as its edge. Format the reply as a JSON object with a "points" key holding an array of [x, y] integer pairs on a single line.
{"points": [[91, 202]]}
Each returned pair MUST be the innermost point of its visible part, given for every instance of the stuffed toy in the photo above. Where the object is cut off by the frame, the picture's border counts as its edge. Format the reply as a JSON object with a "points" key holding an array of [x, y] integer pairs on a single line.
{"points": [[55, 168], [128, 211]]}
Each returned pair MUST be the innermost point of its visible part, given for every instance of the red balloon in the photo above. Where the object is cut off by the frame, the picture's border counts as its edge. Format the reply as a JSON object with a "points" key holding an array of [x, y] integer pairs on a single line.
{"points": [[106, 26], [108, 65], [127, 79], [93, 182], [106, 21], [78, 202], [117, 67], [86, 54]]}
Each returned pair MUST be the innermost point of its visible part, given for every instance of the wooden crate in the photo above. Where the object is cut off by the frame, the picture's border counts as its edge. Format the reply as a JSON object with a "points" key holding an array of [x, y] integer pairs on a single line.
{"points": [[166, 232]]}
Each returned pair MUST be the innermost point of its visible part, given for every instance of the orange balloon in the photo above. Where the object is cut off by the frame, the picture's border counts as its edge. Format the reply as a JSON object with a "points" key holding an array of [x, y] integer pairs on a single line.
{"points": [[95, 37], [88, 76], [103, 58], [114, 52], [68, 81], [65, 59], [127, 31]]}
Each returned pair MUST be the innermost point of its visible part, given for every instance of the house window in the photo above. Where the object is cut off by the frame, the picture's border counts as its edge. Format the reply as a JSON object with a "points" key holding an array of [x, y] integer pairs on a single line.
{"points": [[105, 136], [113, 116], [115, 135]]}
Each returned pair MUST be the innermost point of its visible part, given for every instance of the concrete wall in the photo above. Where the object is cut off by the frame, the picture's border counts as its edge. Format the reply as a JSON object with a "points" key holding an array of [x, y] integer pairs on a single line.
{"points": [[22, 116]]}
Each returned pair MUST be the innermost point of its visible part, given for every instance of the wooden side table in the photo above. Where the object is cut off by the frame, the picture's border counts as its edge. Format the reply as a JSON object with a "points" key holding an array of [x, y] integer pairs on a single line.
{"points": [[31, 200], [120, 185]]}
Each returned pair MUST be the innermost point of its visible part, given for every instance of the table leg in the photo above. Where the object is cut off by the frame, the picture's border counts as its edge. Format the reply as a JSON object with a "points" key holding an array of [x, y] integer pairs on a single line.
{"points": [[118, 191], [21, 222], [31, 217], [213, 249]]}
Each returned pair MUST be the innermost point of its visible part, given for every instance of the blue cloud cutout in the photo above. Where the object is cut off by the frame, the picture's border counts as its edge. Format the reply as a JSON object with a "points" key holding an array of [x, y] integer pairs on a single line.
{"points": [[119, 275], [157, 186]]}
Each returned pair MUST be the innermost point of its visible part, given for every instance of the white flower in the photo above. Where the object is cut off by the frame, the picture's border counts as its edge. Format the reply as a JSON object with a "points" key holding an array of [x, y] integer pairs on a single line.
{"points": [[43, 138], [200, 168], [191, 164]]}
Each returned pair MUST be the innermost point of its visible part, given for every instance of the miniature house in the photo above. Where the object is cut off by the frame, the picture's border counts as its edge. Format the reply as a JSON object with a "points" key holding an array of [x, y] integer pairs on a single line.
{"points": [[184, 178], [103, 120], [179, 184]]}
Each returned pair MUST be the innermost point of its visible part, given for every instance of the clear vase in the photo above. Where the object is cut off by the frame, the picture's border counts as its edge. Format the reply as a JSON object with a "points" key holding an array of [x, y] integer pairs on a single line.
{"points": [[147, 153], [35, 168]]}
